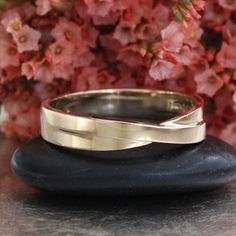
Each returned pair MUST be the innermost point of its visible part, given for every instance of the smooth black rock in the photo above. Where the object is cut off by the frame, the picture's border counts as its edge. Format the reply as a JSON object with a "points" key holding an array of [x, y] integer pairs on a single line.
{"points": [[155, 168]]}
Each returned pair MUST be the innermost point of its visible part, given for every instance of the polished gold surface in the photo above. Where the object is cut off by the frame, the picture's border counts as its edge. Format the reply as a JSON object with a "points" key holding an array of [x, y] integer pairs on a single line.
{"points": [[118, 119]]}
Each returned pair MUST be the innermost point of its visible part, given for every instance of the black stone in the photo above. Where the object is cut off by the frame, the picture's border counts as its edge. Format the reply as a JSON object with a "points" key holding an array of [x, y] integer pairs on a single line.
{"points": [[152, 169]]}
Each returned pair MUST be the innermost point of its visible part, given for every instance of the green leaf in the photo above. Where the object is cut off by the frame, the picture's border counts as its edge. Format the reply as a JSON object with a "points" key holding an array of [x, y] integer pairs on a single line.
{"points": [[185, 2], [5, 4], [2, 3], [178, 14]]}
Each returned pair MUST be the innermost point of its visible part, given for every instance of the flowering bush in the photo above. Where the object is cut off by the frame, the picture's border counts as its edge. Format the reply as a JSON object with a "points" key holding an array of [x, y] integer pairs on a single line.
{"points": [[50, 47]]}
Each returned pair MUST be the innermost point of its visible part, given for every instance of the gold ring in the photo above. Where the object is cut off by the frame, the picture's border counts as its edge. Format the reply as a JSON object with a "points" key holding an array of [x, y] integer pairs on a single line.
{"points": [[116, 119]]}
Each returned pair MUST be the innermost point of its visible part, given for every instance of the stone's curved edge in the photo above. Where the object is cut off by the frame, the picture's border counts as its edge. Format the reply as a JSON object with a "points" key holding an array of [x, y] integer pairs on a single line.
{"points": [[155, 168]]}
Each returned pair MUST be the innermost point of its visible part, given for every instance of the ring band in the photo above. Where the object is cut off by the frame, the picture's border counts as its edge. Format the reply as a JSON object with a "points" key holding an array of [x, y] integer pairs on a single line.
{"points": [[117, 119]]}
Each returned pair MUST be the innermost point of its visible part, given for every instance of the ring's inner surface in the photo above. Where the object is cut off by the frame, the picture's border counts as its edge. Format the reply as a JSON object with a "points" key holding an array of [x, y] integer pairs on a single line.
{"points": [[128, 106]]}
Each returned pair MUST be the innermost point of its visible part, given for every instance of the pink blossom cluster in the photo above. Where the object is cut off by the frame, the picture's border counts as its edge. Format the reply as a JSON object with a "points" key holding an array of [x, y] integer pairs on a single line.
{"points": [[50, 47]]}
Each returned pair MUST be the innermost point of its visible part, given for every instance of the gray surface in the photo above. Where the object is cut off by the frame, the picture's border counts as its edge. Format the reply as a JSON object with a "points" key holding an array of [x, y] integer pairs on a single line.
{"points": [[25, 211]]}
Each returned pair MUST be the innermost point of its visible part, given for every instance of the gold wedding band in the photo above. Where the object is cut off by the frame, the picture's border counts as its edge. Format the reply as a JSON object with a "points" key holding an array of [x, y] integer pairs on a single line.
{"points": [[116, 119]]}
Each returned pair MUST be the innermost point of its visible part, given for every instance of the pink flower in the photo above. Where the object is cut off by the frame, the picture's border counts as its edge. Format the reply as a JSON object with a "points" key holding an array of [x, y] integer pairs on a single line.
{"points": [[132, 15], [9, 55], [126, 81], [60, 52], [99, 7], [124, 34], [28, 69], [23, 111], [234, 100], [27, 39], [229, 29], [89, 34], [43, 7], [83, 56], [67, 30], [192, 34], [120, 5], [25, 125], [26, 10], [84, 59], [63, 71], [161, 70], [215, 13], [131, 56], [184, 83], [9, 73], [44, 73], [227, 56], [4, 36], [103, 80], [228, 4], [11, 21], [44, 90], [185, 56], [229, 133], [160, 16], [60, 56], [208, 82], [110, 19], [41, 71], [173, 36], [145, 5], [81, 9], [90, 78], [81, 81], [234, 75], [98, 44], [147, 31]]}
